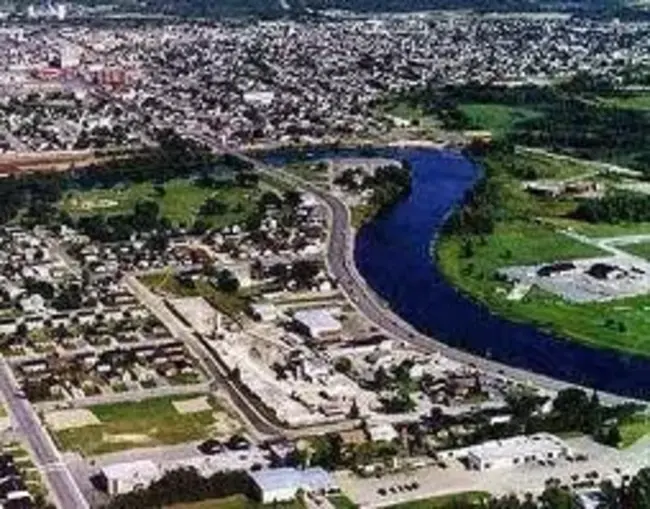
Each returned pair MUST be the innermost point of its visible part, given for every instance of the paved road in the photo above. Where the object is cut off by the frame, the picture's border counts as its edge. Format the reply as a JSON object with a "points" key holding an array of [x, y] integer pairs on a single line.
{"points": [[155, 304], [61, 483], [264, 425], [340, 261]]}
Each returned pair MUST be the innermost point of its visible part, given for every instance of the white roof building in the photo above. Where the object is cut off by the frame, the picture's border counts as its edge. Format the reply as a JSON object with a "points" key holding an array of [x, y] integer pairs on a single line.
{"points": [[382, 432], [282, 484], [33, 304], [264, 312], [126, 477], [516, 451], [317, 322]]}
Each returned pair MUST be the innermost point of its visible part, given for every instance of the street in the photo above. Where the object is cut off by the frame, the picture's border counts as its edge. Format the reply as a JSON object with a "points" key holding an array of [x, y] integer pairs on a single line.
{"points": [[341, 265], [62, 484]]}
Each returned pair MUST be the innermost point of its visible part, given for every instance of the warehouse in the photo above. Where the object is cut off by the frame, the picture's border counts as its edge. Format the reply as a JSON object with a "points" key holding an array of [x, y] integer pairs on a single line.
{"points": [[283, 484], [516, 451], [122, 478], [317, 323]]}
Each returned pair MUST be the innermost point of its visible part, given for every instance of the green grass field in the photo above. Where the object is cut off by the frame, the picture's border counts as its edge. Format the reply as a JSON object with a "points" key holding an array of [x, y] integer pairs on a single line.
{"points": [[342, 502], [231, 304], [622, 324], [314, 173], [497, 118], [629, 101], [137, 424], [552, 166], [234, 502], [180, 202], [444, 502], [641, 249], [633, 430], [528, 233], [600, 229], [410, 112]]}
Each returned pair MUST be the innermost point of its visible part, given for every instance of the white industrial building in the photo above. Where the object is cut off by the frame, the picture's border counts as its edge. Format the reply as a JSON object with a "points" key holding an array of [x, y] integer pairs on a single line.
{"points": [[283, 484], [516, 451], [264, 312], [126, 477], [384, 432], [317, 323]]}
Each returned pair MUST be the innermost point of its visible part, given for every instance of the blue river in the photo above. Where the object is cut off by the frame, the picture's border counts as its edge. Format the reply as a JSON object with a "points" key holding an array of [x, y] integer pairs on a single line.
{"points": [[393, 254]]}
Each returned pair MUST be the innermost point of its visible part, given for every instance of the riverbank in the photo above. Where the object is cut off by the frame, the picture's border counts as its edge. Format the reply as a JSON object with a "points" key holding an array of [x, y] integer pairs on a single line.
{"points": [[392, 256], [531, 230]]}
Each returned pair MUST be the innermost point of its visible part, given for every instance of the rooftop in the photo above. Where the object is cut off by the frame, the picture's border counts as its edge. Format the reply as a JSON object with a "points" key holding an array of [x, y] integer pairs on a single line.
{"points": [[319, 319], [309, 479], [144, 469], [523, 445]]}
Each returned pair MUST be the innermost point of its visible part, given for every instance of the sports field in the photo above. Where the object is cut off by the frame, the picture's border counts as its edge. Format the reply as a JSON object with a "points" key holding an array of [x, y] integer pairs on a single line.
{"points": [[179, 201], [144, 423]]}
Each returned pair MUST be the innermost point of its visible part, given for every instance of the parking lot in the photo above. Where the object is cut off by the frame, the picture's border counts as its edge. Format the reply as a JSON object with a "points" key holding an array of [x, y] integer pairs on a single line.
{"points": [[601, 463]]}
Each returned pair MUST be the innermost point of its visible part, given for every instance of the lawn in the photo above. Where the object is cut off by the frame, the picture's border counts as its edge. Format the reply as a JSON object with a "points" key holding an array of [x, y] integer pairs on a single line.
{"points": [[554, 166], [628, 101], [232, 304], [600, 229], [641, 249], [497, 118], [360, 214], [315, 173], [634, 429], [527, 232], [407, 111], [235, 502], [622, 324], [342, 502], [180, 202], [136, 424], [445, 501]]}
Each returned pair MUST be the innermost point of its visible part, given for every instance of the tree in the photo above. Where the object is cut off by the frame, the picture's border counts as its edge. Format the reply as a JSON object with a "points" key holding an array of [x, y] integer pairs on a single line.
{"points": [[213, 207], [639, 490], [328, 451], [145, 215], [22, 330], [227, 281], [343, 365], [292, 199], [354, 410]]}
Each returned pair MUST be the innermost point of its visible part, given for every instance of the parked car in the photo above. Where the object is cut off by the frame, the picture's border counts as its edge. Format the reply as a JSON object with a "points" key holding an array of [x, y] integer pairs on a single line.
{"points": [[211, 447]]}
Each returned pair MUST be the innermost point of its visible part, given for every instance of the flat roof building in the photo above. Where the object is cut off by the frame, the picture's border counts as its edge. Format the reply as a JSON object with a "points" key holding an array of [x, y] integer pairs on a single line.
{"points": [[264, 312], [283, 484], [317, 323], [126, 477], [384, 432], [516, 451]]}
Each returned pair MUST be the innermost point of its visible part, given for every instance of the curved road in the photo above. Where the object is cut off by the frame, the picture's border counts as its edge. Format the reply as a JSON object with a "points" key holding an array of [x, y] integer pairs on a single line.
{"points": [[340, 261]]}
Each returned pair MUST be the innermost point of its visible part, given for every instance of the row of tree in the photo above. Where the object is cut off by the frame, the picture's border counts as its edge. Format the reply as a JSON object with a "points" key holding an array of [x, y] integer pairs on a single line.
{"points": [[185, 485], [614, 208]]}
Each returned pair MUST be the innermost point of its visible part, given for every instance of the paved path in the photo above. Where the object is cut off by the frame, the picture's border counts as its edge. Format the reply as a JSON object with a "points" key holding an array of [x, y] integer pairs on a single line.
{"points": [[59, 479]]}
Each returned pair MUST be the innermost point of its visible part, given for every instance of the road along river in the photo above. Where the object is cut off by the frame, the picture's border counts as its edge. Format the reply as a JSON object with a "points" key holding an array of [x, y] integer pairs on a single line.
{"points": [[393, 254]]}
